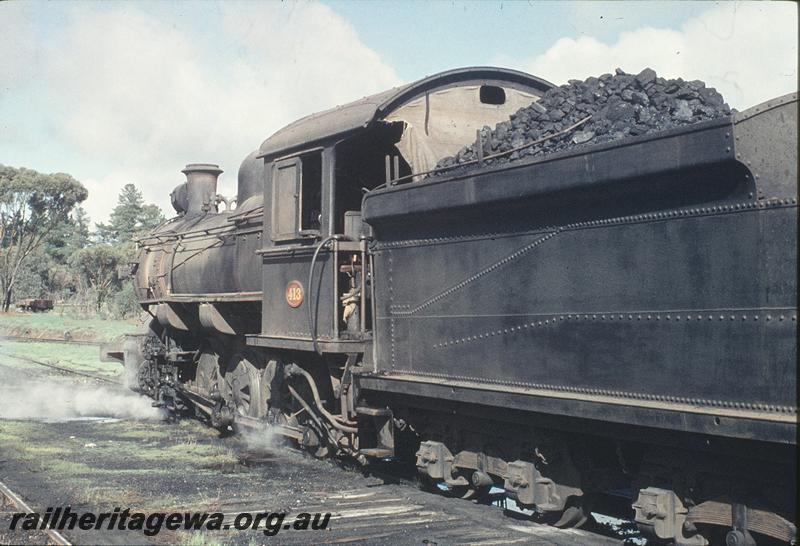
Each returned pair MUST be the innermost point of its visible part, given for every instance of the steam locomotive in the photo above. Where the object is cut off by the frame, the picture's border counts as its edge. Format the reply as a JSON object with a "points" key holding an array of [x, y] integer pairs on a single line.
{"points": [[615, 321]]}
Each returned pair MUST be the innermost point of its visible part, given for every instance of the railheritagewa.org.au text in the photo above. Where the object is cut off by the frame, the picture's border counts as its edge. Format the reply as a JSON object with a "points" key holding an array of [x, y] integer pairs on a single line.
{"points": [[152, 523]]}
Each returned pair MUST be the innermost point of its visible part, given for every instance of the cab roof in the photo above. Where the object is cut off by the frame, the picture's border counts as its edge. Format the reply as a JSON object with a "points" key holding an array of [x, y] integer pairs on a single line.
{"points": [[352, 117]]}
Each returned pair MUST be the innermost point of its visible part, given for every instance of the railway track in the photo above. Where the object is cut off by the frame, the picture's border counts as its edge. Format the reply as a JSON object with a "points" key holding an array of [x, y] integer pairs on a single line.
{"points": [[393, 513], [386, 514], [26, 339], [12, 498], [61, 368]]}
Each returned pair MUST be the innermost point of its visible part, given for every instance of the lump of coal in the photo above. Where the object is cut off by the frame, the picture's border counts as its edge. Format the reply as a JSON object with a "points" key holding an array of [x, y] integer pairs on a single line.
{"points": [[620, 105], [582, 136], [682, 111]]}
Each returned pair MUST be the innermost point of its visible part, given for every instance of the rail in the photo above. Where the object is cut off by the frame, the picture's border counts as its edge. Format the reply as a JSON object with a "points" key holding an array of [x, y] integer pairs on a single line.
{"points": [[24, 339], [22, 506], [61, 368]]}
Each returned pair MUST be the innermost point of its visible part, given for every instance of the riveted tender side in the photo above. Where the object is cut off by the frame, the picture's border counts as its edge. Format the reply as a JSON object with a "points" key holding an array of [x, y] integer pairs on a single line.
{"points": [[642, 291]]}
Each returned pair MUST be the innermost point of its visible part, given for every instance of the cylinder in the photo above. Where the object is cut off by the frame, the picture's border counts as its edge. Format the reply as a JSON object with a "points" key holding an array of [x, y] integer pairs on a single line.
{"points": [[201, 185]]}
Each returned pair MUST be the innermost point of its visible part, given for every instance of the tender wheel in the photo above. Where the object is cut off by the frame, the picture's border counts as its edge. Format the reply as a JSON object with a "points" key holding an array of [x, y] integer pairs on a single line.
{"points": [[244, 392], [465, 492], [477, 489], [574, 515]]}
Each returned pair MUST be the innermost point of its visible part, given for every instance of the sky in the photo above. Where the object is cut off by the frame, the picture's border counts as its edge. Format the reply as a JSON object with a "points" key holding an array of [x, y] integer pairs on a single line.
{"points": [[119, 92]]}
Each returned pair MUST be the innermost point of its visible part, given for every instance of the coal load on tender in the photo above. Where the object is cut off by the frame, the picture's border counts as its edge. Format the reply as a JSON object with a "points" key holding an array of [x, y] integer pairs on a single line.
{"points": [[617, 106]]}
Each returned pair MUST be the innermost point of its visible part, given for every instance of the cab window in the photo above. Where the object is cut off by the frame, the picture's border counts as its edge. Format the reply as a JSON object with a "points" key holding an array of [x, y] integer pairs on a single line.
{"points": [[296, 197]]}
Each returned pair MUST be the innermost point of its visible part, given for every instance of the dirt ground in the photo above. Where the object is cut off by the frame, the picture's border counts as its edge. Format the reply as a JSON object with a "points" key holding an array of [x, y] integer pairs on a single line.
{"points": [[96, 463]]}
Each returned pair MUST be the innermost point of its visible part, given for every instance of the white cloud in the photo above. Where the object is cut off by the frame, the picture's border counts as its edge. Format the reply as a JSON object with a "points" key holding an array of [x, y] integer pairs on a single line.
{"points": [[131, 92], [16, 54], [135, 96], [748, 51]]}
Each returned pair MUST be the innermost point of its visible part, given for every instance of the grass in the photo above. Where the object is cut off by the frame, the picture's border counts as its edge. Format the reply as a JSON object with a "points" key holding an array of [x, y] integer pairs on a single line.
{"points": [[199, 539], [185, 453], [55, 323], [129, 452], [82, 358], [129, 432], [185, 430], [65, 468], [9, 361], [141, 443], [14, 432], [45, 451], [104, 495]]}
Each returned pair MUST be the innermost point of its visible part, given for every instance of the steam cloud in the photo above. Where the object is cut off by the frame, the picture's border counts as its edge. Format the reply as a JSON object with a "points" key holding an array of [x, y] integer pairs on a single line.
{"points": [[44, 399], [261, 441]]}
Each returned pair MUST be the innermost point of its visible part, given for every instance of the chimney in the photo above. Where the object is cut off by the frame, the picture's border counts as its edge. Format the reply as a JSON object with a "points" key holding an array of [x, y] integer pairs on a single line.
{"points": [[201, 185]]}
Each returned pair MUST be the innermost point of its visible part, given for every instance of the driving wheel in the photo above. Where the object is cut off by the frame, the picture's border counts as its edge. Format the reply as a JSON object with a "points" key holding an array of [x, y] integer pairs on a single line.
{"points": [[208, 377], [244, 392]]}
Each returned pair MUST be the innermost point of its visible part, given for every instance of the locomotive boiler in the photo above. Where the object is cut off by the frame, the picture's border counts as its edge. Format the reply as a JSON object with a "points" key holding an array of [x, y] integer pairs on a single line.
{"points": [[615, 320]]}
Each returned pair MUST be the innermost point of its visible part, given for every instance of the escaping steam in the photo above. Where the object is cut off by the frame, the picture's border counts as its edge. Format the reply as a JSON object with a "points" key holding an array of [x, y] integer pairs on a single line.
{"points": [[46, 399], [261, 441]]}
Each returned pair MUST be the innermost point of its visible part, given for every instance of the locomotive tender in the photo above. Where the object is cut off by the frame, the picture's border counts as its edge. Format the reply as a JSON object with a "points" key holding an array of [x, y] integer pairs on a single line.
{"points": [[610, 319]]}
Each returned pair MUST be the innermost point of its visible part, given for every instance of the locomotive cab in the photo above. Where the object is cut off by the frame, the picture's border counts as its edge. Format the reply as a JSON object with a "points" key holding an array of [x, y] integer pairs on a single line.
{"points": [[316, 272]]}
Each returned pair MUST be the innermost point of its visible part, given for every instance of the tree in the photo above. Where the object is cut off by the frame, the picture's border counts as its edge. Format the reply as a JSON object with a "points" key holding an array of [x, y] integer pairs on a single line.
{"points": [[68, 236], [32, 204], [130, 218], [79, 236], [47, 272], [97, 267]]}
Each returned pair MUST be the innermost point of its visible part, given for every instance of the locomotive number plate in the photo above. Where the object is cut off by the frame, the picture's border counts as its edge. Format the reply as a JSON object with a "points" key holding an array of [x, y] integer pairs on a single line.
{"points": [[294, 293]]}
